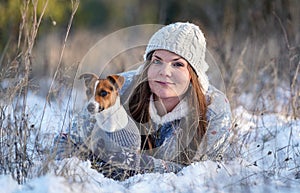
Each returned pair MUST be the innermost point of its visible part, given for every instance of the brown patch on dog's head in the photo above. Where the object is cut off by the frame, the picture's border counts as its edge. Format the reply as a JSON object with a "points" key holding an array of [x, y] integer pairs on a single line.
{"points": [[116, 80], [106, 91]]}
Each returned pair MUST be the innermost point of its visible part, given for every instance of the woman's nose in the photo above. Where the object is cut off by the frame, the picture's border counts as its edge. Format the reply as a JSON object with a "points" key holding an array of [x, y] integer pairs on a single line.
{"points": [[165, 69]]}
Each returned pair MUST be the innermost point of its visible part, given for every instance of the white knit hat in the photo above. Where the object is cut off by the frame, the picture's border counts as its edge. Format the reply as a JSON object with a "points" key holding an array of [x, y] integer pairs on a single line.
{"points": [[185, 40]]}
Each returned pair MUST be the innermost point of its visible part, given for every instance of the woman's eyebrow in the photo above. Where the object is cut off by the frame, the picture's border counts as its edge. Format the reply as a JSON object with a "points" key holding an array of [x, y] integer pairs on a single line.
{"points": [[175, 59], [157, 57]]}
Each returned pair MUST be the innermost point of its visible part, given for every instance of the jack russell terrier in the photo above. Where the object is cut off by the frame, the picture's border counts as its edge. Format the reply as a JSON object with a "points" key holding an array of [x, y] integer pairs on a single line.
{"points": [[113, 129]]}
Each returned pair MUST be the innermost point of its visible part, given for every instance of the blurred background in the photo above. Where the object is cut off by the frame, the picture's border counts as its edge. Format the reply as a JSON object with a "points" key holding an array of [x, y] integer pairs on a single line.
{"points": [[255, 43]]}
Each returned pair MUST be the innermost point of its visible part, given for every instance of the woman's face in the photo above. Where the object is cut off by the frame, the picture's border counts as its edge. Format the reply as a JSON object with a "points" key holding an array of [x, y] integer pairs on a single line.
{"points": [[168, 75]]}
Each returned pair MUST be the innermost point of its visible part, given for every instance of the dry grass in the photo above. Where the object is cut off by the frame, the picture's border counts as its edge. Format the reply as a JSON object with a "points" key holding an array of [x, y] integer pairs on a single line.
{"points": [[20, 138]]}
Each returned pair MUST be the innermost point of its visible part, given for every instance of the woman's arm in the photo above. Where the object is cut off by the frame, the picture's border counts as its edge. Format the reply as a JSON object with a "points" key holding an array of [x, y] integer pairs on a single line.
{"points": [[140, 163], [219, 127], [72, 144]]}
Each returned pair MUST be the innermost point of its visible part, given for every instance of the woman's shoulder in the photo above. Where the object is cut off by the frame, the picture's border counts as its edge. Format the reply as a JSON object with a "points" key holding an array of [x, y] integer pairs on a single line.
{"points": [[129, 77], [217, 100]]}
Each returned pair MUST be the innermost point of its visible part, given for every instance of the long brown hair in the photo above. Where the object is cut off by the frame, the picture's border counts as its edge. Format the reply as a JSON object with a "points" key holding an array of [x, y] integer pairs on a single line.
{"points": [[139, 109]]}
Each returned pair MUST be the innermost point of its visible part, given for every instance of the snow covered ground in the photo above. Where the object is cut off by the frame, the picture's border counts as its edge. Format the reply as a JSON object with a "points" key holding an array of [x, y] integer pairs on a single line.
{"points": [[268, 160]]}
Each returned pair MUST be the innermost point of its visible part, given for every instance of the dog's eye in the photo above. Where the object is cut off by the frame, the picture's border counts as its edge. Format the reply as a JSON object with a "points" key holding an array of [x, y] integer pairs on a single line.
{"points": [[103, 93]]}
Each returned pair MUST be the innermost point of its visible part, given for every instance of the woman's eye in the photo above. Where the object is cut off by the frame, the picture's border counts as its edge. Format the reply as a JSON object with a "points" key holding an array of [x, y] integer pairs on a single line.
{"points": [[156, 61], [178, 64]]}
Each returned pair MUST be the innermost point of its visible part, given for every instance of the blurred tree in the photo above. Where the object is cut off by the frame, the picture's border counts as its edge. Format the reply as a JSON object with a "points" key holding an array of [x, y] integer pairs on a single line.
{"points": [[9, 20], [227, 24], [57, 14], [91, 14]]}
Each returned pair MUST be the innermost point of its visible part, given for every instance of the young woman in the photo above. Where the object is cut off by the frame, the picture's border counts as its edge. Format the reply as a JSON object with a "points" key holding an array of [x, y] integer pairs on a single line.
{"points": [[181, 117]]}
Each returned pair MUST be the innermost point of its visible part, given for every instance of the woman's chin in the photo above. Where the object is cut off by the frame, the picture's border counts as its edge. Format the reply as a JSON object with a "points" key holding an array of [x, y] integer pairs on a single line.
{"points": [[166, 95]]}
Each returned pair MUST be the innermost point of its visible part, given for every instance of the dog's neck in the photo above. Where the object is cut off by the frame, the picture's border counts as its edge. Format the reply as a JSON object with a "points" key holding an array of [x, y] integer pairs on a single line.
{"points": [[112, 119]]}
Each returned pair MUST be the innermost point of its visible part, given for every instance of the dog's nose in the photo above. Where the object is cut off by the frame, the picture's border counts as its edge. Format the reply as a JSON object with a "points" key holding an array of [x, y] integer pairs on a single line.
{"points": [[91, 108], [101, 108]]}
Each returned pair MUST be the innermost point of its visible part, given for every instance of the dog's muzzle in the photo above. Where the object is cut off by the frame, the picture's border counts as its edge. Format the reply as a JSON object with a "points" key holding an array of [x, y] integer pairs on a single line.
{"points": [[92, 108]]}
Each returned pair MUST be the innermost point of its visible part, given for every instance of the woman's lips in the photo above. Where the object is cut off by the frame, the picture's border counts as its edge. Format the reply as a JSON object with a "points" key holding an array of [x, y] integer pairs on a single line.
{"points": [[164, 83]]}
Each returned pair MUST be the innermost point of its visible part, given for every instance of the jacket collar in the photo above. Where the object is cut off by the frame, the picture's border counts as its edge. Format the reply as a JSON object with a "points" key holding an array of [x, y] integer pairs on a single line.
{"points": [[180, 111]]}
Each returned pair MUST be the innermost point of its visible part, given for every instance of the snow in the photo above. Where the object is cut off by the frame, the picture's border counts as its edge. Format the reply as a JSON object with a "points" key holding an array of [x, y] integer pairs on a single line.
{"points": [[268, 160]]}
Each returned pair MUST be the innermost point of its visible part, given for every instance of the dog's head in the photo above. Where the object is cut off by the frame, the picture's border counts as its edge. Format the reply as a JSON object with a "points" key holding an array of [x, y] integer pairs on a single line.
{"points": [[101, 93]]}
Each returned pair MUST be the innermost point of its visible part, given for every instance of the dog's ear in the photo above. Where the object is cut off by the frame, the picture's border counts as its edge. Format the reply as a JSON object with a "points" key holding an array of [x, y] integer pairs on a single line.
{"points": [[89, 82], [88, 78], [116, 80]]}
